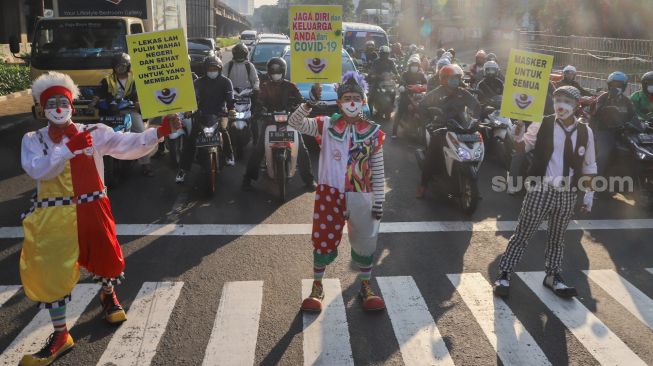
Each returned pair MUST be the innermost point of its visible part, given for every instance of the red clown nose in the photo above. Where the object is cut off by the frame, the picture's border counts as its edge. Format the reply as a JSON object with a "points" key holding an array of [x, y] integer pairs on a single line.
{"points": [[58, 110]]}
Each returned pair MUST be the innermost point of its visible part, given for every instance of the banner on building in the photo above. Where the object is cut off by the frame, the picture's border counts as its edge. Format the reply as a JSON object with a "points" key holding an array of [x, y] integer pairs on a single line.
{"points": [[526, 85], [315, 43], [162, 73]]}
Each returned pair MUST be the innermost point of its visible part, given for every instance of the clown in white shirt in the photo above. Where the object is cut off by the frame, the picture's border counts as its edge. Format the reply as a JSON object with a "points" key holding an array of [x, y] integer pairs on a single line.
{"points": [[70, 223]]}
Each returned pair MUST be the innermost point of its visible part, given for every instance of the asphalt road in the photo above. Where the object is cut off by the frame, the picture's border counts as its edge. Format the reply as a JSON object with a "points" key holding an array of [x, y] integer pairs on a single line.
{"points": [[239, 252]]}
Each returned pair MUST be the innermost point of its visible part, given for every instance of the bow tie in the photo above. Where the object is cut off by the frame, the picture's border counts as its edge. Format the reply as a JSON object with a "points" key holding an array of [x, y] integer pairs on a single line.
{"points": [[56, 133]]}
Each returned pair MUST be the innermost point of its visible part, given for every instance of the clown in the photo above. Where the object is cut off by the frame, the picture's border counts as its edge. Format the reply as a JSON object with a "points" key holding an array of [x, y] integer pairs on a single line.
{"points": [[350, 186], [70, 223]]}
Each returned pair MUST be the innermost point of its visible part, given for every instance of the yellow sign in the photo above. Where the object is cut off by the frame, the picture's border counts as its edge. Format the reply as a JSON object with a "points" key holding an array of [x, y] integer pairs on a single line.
{"points": [[315, 43], [164, 82], [526, 85]]}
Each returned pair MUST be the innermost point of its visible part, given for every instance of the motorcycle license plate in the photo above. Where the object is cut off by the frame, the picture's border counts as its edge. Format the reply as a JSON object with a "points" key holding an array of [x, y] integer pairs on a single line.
{"points": [[203, 141], [281, 136], [645, 138], [469, 138]]}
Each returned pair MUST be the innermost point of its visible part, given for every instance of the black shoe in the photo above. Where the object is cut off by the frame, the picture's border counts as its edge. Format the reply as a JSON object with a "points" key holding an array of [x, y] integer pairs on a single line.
{"points": [[502, 285], [311, 186], [247, 185], [181, 177], [556, 283]]}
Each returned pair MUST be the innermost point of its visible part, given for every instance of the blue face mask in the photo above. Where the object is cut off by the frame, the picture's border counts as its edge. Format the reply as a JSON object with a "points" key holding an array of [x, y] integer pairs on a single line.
{"points": [[453, 82], [614, 91]]}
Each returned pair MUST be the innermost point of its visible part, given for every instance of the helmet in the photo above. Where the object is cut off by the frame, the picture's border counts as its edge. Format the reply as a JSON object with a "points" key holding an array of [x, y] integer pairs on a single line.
{"points": [[448, 55], [647, 79], [412, 48], [491, 68], [569, 72], [351, 51], [414, 59], [452, 52], [480, 56], [240, 52], [121, 59], [212, 61], [442, 63], [384, 51], [397, 46], [276, 65], [440, 52], [370, 44], [448, 72], [618, 76], [491, 57]]}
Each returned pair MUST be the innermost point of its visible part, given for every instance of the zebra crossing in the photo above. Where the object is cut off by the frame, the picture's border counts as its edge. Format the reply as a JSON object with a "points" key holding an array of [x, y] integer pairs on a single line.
{"points": [[326, 336]]}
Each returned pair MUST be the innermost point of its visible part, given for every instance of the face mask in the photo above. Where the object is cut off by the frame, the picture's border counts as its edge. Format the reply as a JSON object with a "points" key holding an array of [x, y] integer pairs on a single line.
{"points": [[615, 91], [649, 89], [563, 110], [453, 82], [275, 77], [59, 115], [352, 109], [121, 69], [414, 69], [213, 74]]}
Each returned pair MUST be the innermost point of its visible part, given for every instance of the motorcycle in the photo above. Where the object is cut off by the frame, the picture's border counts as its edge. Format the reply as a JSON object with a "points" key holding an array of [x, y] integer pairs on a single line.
{"points": [[495, 130], [116, 114], [411, 120], [385, 94], [175, 141], [462, 154], [239, 129], [635, 144], [583, 113], [281, 150], [209, 149]]}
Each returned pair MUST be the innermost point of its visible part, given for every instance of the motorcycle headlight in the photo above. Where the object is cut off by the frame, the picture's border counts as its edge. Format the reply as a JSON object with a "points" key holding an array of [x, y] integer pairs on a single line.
{"points": [[463, 154], [209, 131], [641, 155]]}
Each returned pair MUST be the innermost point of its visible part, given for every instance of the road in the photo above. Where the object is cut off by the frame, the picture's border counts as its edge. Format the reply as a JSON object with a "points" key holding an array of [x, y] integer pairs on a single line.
{"points": [[220, 280]]}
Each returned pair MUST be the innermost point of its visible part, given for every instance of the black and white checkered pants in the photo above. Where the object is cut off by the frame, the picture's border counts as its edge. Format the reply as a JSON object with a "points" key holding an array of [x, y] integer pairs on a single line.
{"points": [[554, 205]]}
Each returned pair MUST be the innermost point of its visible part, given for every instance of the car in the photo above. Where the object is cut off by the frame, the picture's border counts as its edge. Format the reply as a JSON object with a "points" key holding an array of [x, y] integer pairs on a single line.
{"points": [[198, 50], [356, 34], [264, 50], [263, 36], [327, 105], [248, 37]]}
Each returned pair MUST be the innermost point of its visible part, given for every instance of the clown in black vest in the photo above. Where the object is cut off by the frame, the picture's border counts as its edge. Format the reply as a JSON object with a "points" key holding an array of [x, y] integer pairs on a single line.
{"points": [[564, 162]]}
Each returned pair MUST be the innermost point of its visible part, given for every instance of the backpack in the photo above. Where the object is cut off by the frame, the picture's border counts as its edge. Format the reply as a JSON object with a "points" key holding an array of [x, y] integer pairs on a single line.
{"points": [[248, 66]]}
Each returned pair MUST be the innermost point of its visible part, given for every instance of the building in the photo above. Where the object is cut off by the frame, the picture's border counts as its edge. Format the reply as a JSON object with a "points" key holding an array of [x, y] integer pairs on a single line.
{"points": [[245, 7]]}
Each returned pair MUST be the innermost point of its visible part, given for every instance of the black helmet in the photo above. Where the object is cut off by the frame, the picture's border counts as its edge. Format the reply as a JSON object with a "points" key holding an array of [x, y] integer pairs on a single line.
{"points": [[276, 65], [212, 61], [647, 80], [240, 52], [121, 59], [440, 52], [491, 57]]}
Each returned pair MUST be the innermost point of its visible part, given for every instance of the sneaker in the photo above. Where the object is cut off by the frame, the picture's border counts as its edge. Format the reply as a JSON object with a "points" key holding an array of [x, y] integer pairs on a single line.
{"points": [[231, 162], [313, 302], [556, 283], [181, 176], [421, 191], [57, 345], [371, 302], [311, 186], [147, 170], [111, 308], [502, 285]]}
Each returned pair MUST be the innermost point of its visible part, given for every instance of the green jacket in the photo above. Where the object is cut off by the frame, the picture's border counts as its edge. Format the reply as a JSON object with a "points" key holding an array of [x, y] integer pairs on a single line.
{"points": [[643, 105]]}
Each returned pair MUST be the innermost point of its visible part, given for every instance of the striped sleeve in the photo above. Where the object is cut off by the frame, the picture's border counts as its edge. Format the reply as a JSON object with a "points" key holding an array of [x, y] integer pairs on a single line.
{"points": [[378, 179], [308, 126]]}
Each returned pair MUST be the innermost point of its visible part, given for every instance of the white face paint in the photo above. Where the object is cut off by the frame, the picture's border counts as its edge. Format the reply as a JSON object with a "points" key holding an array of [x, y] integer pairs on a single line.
{"points": [[59, 115], [563, 110], [352, 109]]}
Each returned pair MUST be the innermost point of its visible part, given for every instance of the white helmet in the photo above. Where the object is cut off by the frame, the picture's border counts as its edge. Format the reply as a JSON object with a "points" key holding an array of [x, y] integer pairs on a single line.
{"points": [[569, 68], [490, 68], [447, 55]]}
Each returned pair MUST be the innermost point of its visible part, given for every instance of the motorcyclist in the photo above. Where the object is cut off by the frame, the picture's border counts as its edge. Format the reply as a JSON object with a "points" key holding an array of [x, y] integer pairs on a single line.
{"points": [[643, 99], [370, 53], [120, 85], [214, 92], [278, 95], [243, 75], [439, 53], [490, 86], [380, 66], [569, 78], [413, 76], [434, 81], [451, 99], [476, 70], [397, 53], [453, 55], [412, 49], [491, 57], [610, 113]]}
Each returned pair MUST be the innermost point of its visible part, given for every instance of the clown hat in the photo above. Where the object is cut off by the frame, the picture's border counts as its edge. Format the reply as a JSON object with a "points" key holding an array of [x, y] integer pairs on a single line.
{"points": [[53, 83]]}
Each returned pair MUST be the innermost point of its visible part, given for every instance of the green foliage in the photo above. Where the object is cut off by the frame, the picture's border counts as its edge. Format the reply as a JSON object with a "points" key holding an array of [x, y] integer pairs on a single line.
{"points": [[226, 42], [13, 78], [347, 6]]}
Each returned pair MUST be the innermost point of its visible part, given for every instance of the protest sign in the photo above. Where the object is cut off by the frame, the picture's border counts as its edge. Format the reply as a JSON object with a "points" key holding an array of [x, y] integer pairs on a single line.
{"points": [[526, 85], [315, 43], [162, 72]]}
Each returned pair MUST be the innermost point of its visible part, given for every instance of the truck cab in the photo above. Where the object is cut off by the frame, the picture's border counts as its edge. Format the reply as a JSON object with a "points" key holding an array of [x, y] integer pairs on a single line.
{"points": [[83, 48]]}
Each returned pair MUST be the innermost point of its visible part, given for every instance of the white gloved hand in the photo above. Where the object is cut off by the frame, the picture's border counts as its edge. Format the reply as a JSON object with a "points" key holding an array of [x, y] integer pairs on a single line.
{"points": [[588, 199], [517, 130]]}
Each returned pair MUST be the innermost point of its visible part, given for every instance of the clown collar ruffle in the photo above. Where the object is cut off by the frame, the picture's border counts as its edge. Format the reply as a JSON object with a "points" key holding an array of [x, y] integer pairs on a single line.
{"points": [[361, 130]]}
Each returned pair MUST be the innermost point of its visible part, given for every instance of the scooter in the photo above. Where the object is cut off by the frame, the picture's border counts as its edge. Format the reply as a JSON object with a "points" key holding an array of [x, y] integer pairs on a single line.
{"points": [[175, 141], [495, 131], [281, 150], [116, 114], [411, 120], [239, 129], [635, 144], [462, 155], [385, 94], [209, 149]]}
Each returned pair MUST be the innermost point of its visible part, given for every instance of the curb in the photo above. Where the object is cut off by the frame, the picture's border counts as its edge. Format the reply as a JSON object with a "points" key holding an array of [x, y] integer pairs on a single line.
{"points": [[15, 95]]}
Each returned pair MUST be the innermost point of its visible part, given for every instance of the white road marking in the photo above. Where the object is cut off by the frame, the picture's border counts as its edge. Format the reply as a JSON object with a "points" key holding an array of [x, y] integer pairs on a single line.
{"points": [[590, 331], [629, 296], [650, 270], [235, 331], [419, 339], [6, 292], [488, 225], [326, 335], [134, 342], [32, 338], [513, 343]]}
